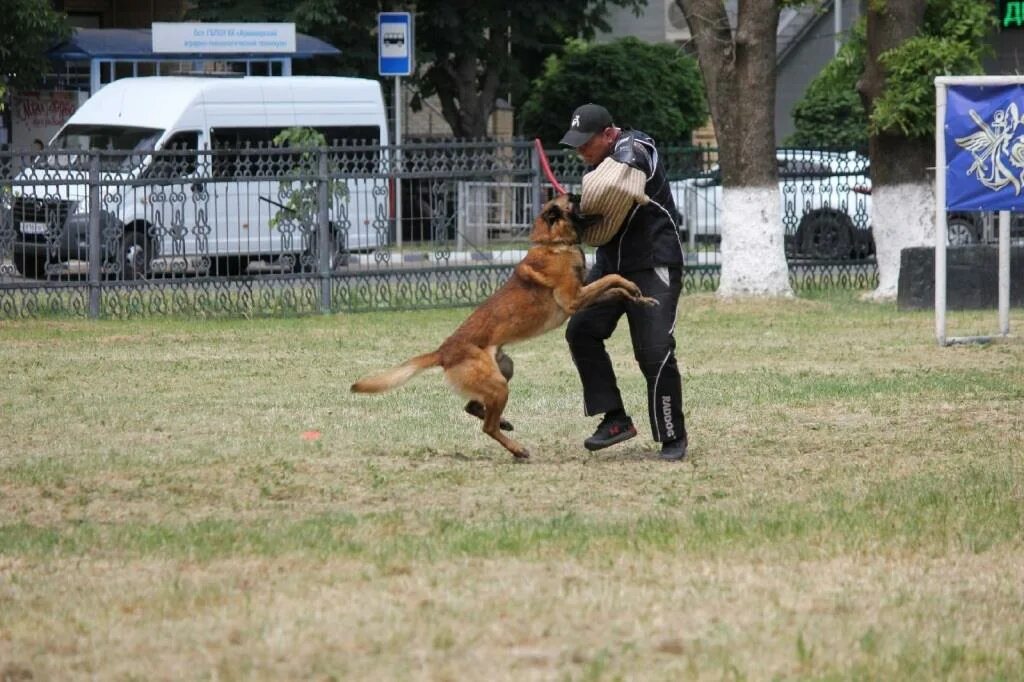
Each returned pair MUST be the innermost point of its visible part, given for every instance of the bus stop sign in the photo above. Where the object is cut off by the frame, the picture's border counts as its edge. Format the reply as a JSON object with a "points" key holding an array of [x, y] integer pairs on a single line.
{"points": [[394, 44]]}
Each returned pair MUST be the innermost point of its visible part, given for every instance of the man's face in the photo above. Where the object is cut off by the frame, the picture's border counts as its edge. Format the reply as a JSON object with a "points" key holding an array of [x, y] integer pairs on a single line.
{"points": [[594, 150]]}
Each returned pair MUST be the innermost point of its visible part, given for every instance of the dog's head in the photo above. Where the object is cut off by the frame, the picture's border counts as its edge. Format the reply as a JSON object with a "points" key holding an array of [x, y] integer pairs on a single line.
{"points": [[560, 221]]}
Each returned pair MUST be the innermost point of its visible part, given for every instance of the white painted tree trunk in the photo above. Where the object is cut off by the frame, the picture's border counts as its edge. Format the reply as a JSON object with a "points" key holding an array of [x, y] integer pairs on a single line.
{"points": [[901, 216], [753, 255]]}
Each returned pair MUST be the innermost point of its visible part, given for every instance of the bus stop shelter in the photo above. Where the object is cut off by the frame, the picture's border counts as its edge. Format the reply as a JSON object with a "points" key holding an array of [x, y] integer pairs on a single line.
{"points": [[93, 57]]}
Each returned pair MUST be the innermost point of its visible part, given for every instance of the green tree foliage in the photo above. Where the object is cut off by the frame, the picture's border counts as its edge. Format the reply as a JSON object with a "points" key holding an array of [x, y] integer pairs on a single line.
{"points": [[654, 88], [469, 53], [474, 52], [28, 29], [241, 10], [302, 201], [831, 115], [952, 41], [349, 25]]}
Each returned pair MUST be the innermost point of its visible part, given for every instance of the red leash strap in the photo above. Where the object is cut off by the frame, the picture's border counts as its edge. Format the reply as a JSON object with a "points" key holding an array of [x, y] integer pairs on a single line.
{"points": [[546, 167]]}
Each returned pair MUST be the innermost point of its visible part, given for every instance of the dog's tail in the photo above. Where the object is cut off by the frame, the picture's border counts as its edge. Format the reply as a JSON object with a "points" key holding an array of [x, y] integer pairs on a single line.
{"points": [[396, 376]]}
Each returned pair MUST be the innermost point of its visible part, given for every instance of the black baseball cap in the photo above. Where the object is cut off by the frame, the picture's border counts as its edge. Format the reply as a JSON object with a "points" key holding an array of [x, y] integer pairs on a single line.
{"points": [[587, 121]]}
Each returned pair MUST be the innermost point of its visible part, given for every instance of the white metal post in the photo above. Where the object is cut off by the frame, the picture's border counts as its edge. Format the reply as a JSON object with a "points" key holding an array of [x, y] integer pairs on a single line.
{"points": [[940, 214], [837, 25], [398, 162], [94, 76], [1004, 273], [461, 206]]}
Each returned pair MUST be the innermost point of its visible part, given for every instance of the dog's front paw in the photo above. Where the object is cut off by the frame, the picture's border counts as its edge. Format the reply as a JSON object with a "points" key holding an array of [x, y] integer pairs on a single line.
{"points": [[633, 290]]}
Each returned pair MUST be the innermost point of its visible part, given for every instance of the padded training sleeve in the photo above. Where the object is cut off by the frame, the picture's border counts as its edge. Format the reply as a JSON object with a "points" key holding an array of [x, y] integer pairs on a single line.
{"points": [[610, 190]]}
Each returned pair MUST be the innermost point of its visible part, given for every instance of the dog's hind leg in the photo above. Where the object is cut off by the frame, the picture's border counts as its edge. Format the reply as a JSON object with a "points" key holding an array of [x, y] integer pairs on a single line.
{"points": [[478, 377], [505, 364], [494, 404], [476, 408], [506, 367]]}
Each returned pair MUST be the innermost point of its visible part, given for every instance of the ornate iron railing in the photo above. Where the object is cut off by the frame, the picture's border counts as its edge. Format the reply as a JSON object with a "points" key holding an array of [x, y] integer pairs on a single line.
{"points": [[270, 230]]}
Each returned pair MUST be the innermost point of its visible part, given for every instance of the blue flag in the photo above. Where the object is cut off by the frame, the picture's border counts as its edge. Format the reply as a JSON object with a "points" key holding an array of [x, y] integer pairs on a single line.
{"points": [[984, 138]]}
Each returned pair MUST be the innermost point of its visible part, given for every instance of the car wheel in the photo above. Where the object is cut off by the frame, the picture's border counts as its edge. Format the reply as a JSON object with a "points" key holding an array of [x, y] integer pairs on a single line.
{"points": [[863, 243], [961, 231], [826, 234], [30, 267]]}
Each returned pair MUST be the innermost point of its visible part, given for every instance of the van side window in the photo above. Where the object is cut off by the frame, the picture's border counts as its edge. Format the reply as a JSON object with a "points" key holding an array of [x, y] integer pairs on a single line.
{"points": [[339, 136], [361, 161], [249, 151], [186, 141], [241, 151], [177, 158]]}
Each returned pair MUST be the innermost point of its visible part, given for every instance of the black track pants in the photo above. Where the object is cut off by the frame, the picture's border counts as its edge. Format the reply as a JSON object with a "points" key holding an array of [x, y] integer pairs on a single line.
{"points": [[651, 329]]}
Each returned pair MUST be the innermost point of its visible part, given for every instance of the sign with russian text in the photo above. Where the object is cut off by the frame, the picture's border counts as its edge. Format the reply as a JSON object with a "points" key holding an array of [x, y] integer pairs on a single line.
{"points": [[984, 138], [394, 44], [223, 38], [1010, 14]]}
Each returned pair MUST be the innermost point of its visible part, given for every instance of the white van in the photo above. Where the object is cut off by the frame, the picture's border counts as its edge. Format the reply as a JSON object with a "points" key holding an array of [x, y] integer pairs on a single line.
{"points": [[163, 211]]}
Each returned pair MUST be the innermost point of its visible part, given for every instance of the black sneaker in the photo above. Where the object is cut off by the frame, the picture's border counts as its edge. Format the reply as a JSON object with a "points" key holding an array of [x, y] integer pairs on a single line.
{"points": [[674, 450], [610, 431]]}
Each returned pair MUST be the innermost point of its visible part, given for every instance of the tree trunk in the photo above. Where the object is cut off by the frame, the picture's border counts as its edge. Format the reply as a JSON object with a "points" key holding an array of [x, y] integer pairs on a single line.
{"points": [[467, 86], [903, 192], [739, 76]]}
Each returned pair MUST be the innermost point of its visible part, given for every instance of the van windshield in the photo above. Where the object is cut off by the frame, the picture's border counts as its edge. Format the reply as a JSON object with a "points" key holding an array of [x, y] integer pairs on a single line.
{"points": [[89, 137]]}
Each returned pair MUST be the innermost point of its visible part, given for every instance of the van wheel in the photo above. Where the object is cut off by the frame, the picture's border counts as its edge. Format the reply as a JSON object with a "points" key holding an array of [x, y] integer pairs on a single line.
{"points": [[825, 234], [338, 256], [134, 254]]}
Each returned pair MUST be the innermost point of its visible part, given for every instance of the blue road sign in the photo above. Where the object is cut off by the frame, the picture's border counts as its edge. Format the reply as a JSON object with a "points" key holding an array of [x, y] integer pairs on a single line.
{"points": [[394, 44]]}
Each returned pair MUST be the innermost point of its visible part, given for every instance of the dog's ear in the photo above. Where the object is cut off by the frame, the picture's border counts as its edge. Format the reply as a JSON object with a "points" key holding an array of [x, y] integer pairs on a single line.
{"points": [[564, 227], [545, 222], [557, 222], [541, 231]]}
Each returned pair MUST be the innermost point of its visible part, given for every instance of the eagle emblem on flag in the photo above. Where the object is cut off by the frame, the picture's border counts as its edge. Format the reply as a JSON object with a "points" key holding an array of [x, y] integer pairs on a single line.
{"points": [[997, 149]]}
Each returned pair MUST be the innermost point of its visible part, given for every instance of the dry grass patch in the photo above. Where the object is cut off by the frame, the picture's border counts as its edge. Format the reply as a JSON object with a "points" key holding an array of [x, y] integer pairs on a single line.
{"points": [[635, 617], [852, 509]]}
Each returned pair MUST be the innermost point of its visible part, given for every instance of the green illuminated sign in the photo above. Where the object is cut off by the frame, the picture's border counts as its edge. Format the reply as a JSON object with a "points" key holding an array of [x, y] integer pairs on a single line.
{"points": [[1011, 13]]}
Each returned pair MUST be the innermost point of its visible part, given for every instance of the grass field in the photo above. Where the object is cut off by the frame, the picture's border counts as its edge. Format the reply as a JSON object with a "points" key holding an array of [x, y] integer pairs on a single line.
{"points": [[853, 508]]}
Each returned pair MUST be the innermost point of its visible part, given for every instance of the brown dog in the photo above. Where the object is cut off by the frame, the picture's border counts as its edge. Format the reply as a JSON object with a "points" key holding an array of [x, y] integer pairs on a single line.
{"points": [[546, 287]]}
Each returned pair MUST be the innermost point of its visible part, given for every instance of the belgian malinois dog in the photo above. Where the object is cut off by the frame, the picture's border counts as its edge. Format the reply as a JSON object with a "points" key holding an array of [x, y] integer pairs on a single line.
{"points": [[546, 287]]}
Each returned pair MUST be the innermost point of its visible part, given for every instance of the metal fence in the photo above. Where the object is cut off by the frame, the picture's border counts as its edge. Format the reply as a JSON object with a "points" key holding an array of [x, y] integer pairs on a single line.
{"points": [[270, 230]]}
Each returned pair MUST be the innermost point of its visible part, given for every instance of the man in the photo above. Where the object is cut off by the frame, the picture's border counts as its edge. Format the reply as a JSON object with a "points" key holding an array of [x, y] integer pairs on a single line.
{"points": [[637, 239]]}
